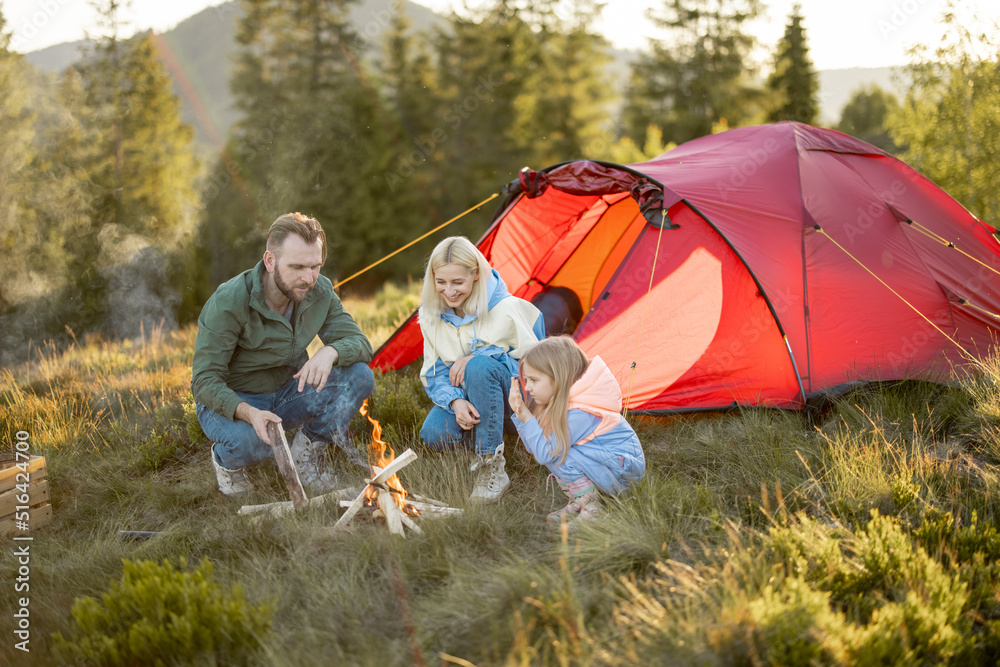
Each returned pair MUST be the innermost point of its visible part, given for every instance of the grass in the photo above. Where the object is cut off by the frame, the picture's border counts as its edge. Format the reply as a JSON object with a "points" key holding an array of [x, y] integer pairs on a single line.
{"points": [[757, 537]]}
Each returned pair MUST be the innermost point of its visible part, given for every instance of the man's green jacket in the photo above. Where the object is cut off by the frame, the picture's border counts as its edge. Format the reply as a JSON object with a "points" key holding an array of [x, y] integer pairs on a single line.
{"points": [[244, 346]]}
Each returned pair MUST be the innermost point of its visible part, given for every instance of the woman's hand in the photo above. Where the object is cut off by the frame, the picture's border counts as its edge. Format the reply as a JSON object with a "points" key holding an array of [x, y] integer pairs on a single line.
{"points": [[465, 414], [457, 371], [516, 402]]}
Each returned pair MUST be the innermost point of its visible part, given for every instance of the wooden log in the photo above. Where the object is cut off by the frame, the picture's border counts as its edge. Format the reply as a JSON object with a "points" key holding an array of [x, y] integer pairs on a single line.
{"points": [[433, 510], [404, 459], [391, 511], [352, 509], [424, 499], [409, 523], [283, 457], [287, 506]]}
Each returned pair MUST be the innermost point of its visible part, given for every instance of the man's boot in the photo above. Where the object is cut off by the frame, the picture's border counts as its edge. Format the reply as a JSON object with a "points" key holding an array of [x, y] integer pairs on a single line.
{"points": [[492, 480], [354, 454], [306, 454], [231, 482]]}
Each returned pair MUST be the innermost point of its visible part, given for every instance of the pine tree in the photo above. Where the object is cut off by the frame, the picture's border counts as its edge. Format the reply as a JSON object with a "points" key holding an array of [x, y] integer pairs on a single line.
{"points": [[563, 108], [417, 146], [948, 119], [18, 232], [45, 203], [137, 156], [794, 81], [699, 75], [865, 116], [483, 65], [315, 137]]}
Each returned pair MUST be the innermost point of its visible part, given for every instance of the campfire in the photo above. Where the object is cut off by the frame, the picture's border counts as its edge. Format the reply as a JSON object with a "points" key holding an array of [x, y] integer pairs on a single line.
{"points": [[383, 494]]}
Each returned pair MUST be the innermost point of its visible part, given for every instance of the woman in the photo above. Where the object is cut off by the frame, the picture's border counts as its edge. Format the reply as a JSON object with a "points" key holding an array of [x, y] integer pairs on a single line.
{"points": [[474, 332]]}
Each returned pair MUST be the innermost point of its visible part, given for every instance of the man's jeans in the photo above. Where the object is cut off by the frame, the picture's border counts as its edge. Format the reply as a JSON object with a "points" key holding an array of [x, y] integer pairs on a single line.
{"points": [[487, 383], [323, 416]]}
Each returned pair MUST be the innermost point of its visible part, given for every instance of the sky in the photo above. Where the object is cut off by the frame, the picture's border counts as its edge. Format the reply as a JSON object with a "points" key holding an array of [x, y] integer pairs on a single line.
{"points": [[840, 33]]}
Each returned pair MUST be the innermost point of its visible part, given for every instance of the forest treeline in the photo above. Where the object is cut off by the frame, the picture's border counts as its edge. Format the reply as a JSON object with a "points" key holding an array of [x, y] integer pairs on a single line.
{"points": [[110, 224]]}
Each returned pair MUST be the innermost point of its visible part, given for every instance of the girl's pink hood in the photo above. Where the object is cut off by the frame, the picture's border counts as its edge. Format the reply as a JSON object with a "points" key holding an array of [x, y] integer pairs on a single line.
{"points": [[598, 393]]}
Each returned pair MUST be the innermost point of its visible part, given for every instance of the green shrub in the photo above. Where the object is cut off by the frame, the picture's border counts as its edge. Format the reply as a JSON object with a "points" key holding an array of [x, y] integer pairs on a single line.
{"points": [[192, 425], [938, 532], [170, 436], [162, 615], [904, 491], [973, 552], [794, 625]]}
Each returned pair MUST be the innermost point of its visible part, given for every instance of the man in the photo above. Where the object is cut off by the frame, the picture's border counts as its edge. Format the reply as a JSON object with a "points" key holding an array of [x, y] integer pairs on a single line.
{"points": [[251, 366]]}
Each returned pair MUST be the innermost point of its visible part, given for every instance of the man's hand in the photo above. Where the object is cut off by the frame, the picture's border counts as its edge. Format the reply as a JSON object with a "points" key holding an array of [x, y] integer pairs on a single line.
{"points": [[465, 414], [316, 371], [457, 371], [516, 402], [258, 419]]}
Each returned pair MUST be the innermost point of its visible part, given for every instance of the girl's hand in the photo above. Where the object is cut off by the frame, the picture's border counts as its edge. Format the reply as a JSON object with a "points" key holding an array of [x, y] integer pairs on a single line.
{"points": [[457, 371], [465, 414], [516, 402]]}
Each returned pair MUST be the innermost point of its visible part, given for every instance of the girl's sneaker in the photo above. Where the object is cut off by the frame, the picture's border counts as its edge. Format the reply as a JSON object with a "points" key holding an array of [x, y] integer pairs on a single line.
{"points": [[568, 513], [582, 495], [594, 509]]}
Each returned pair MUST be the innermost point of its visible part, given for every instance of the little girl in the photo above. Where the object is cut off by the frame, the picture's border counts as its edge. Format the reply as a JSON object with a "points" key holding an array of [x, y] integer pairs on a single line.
{"points": [[574, 426]]}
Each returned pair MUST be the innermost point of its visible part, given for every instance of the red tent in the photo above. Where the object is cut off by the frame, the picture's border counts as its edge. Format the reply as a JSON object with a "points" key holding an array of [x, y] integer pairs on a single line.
{"points": [[791, 261]]}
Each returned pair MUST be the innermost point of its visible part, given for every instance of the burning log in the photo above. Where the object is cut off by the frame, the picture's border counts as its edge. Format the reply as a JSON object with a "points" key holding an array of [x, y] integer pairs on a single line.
{"points": [[377, 492], [376, 486], [383, 492]]}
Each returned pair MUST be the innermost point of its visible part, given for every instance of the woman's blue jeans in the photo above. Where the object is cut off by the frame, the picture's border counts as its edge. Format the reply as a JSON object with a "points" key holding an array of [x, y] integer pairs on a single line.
{"points": [[487, 383], [323, 416]]}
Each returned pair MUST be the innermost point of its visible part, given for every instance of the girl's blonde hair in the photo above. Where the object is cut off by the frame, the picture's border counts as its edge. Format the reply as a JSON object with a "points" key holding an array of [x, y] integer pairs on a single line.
{"points": [[560, 358], [459, 251]]}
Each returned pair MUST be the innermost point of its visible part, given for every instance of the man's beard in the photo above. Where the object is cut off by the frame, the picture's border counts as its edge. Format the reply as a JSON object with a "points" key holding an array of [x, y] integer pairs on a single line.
{"points": [[285, 289]]}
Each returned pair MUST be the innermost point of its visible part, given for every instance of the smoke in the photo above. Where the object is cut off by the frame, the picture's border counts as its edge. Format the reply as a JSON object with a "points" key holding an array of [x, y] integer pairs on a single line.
{"points": [[139, 297]]}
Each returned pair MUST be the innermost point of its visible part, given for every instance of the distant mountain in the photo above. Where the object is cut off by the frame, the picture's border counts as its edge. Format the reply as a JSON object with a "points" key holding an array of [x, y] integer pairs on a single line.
{"points": [[199, 54], [59, 57]]}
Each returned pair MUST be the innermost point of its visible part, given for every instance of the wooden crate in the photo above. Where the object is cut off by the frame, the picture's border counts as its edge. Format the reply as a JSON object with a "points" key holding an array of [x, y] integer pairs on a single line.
{"points": [[39, 509]]}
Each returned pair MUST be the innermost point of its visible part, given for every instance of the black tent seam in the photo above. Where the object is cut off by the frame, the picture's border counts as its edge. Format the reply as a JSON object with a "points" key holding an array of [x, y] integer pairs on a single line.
{"points": [[760, 288]]}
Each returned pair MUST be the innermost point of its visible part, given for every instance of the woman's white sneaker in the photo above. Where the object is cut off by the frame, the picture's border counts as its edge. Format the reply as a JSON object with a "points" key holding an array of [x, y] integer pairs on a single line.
{"points": [[492, 480]]}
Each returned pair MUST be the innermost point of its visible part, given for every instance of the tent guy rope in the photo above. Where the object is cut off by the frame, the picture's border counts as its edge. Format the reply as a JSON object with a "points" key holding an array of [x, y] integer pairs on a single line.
{"points": [[948, 244], [645, 309], [417, 240], [898, 295]]}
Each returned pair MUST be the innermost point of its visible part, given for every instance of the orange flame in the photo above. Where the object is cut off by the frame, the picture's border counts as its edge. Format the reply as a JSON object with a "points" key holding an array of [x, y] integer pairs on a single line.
{"points": [[384, 456]]}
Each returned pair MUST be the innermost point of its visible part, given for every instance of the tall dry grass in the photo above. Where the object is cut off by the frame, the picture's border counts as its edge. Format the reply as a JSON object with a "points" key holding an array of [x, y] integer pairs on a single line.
{"points": [[757, 536]]}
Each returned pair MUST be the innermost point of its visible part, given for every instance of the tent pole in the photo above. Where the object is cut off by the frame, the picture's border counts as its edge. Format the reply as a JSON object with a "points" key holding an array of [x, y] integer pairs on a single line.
{"points": [[761, 292], [795, 367]]}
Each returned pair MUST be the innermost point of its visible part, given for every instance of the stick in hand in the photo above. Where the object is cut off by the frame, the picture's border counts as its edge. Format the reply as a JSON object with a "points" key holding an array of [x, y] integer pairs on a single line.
{"points": [[283, 457]]}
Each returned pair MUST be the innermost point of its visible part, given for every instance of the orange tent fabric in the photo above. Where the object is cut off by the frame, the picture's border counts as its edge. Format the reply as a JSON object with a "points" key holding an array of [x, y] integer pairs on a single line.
{"points": [[759, 266]]}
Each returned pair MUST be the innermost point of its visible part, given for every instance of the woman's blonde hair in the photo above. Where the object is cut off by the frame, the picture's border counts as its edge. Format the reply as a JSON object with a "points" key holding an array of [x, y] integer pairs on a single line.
{"points": [[560, 358], [459, 251]]}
